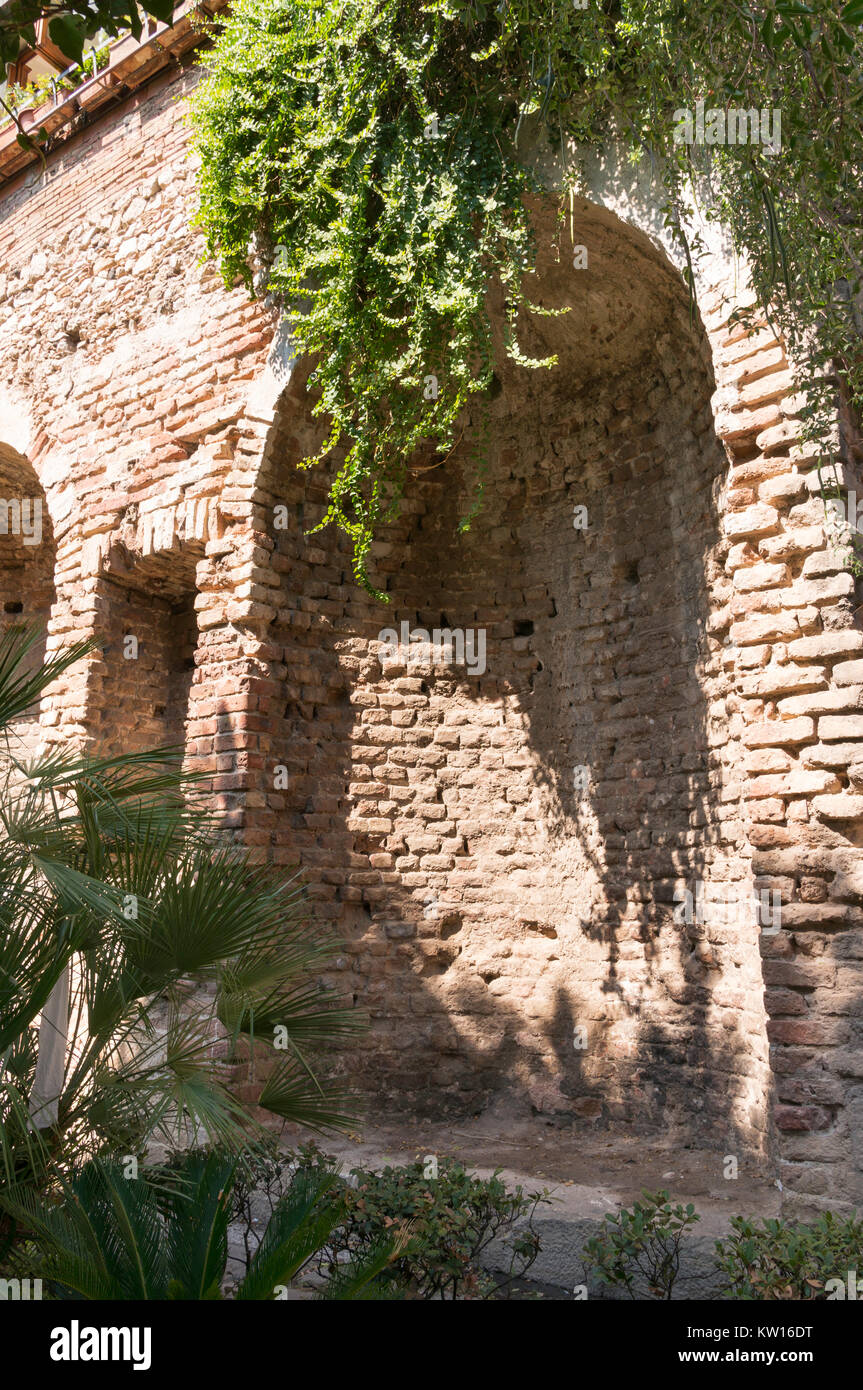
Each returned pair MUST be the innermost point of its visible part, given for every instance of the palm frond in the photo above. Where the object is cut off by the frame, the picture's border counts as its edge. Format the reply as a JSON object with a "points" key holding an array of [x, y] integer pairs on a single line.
{"points": [[112, 873], [197, 1231], [358, 1280], [20, 688], [293, 1093], [297, 1229]]}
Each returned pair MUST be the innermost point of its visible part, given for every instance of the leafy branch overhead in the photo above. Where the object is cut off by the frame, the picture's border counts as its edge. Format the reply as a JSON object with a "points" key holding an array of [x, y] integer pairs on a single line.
{"points": [[371, 150], [72, 22]]}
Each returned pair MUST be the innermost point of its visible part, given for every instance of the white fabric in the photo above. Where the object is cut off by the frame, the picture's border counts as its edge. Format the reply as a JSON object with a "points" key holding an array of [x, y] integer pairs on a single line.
{"points": [[51, 1060]]}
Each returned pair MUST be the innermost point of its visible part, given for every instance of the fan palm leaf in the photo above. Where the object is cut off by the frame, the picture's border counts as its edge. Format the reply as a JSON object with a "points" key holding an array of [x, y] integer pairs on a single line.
{"points": [[173, 946], [164, 1235]]}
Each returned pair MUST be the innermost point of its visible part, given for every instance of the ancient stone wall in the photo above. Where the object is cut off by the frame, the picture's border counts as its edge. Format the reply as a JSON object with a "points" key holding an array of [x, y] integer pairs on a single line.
{"points": [[538, 852]]}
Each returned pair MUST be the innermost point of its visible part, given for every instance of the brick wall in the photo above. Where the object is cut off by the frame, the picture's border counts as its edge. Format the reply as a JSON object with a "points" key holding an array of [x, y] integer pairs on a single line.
{"points": [[690, 652]]}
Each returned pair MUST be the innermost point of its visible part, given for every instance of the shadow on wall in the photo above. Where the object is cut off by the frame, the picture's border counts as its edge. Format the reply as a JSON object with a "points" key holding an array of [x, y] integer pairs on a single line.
{"points": [[498, 833], [27, 557]]}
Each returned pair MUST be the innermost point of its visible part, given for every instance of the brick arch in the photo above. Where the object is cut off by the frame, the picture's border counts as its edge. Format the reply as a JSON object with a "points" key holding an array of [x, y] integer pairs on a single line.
{"points": [[487, 911], [151, 401], [135, 382], [140, 682]]}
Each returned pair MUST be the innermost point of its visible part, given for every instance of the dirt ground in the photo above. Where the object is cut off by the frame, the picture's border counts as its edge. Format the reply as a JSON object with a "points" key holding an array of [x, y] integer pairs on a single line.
{"points": [[587, 1173]]}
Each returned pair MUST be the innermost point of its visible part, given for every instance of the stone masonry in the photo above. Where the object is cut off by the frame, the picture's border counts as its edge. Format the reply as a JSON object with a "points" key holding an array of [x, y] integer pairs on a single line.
{"points": [[539, 863]]}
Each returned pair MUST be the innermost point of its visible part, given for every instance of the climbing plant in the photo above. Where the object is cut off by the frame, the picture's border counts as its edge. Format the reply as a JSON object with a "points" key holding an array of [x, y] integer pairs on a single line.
{"points": [[372, 155]]}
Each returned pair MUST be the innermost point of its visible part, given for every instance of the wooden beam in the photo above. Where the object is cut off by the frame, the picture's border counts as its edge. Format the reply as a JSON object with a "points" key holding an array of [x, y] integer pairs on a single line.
{"points": [[48, 49]]}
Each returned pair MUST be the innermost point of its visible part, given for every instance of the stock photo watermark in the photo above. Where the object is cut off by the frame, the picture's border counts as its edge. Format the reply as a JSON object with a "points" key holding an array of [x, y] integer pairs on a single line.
{"points": [[20, 1290], [844, 514], [77, 1343], [727, 903], [718, 125], [439, 647], [22, 516]]}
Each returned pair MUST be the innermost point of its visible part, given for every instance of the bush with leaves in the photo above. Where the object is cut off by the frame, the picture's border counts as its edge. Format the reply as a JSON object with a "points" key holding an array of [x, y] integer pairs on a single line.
{"points": [[641, 1245], [354, 139], [373, 153], [163, 1235], [449, 1218], [138, 956], [262, 1178], [789, 1260]]}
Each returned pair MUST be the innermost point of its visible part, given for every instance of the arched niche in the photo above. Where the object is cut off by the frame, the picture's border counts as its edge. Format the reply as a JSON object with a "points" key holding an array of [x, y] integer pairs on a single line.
{"points": [[27, 561], [517, 937], [148, 631]]}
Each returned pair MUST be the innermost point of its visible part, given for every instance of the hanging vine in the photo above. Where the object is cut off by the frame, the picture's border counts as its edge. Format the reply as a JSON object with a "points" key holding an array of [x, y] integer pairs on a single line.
{"points": [[372, 150]]}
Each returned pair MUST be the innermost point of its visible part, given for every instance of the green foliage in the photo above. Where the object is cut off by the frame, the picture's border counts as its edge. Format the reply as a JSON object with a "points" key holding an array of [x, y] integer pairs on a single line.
{"points": [[787, 1259], [114, 888], [164, 1235], [642, 1244], [313, 133], [381, 242], [44, 88], [72, 22], [447, 1220]]}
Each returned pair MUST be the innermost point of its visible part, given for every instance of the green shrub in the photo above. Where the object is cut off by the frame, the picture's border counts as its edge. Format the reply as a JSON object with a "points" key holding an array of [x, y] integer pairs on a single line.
{"points": [[451, 1218], [163, 1236], [116, 896], [642, 1242], [789, 1260]]}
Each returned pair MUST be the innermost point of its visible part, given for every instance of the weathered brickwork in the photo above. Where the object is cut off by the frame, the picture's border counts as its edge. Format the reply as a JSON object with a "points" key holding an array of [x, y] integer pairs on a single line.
{"points": [[28, 564], [669, 700]]}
